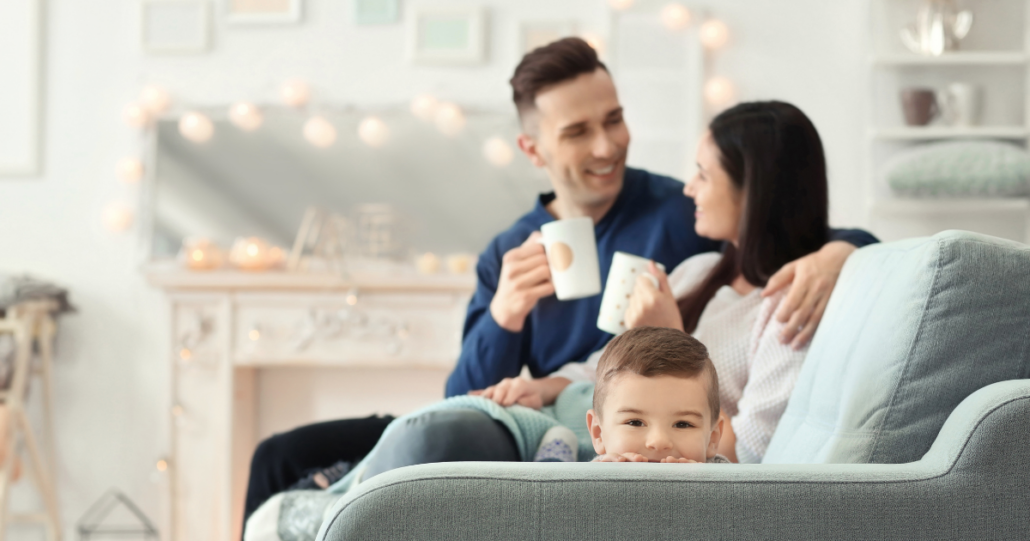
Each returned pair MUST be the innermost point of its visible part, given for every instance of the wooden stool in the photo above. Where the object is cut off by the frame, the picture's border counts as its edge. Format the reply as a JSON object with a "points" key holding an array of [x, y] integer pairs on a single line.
{"points": [[31, 324]]}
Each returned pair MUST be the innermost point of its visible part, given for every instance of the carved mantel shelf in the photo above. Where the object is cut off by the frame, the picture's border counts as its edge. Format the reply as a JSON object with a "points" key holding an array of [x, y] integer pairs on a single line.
{"points": [[229, 326], [172, 277]]}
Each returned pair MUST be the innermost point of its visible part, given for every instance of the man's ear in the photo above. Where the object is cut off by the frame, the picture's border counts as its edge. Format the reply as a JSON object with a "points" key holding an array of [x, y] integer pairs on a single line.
{"points": [[528, 147], [594, 426], [713, 440]]}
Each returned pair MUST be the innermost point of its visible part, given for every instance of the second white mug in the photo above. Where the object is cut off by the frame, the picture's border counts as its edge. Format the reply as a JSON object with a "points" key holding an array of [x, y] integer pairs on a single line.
{"points": [[622, 278]]}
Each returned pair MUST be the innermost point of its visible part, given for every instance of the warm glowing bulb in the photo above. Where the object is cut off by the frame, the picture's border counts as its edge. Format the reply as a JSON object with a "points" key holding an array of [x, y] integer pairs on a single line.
{"points": [[373, 132], [135, 115], [254, 335], [130, 170], [620, 4], [117, 217], [719, 91], [196, 127], [498, 152], [675, 16], [594, 41], [246, 116], [162, 465], [252, 250], [714, 34], [198, 255], [296, 93], [424, 107], [319, 132], [154, 99], [449, 119]]}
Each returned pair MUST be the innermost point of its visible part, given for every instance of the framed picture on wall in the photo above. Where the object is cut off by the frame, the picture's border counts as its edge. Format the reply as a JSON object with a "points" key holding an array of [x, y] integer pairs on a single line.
{"points": [[447, 35], [368, 12], [176, 26], [262, 11], [539, 33], [21, 96]]}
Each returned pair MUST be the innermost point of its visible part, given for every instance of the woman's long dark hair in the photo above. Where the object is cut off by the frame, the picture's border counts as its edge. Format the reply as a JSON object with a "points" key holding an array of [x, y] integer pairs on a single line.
{"points": [[773, 155]]}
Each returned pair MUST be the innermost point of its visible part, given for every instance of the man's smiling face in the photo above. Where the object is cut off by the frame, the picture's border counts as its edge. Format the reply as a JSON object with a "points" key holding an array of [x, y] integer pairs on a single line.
{"points": [[577, 134]]}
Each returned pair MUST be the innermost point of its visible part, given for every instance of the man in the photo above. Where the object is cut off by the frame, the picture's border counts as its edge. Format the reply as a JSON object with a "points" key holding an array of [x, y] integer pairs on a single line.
{"points": [[573, 129]]}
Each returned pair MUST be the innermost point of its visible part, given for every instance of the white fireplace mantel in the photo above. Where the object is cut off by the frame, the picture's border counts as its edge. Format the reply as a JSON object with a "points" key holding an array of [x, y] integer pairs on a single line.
{"points": [[228, 326]]}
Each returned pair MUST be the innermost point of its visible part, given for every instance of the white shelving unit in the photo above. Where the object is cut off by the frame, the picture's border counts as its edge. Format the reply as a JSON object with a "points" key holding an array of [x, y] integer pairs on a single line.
{"points": [[995, 56]]}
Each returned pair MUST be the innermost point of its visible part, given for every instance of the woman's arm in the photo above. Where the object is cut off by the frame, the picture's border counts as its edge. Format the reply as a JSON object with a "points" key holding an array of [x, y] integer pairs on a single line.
{"points": [[773, 371]]}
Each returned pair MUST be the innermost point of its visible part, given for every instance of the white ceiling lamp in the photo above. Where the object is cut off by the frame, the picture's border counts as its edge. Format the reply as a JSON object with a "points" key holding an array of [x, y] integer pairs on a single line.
{"points": [[620, 5], [319, 132], [498, 152], [424, 107], [196, 127], [245, 116], [135, 115], [295, 93], [675, 16], [117, 217], [719, 92], [155, 100], [449, 119], [130, 170], [373, 132], [714, 34]]}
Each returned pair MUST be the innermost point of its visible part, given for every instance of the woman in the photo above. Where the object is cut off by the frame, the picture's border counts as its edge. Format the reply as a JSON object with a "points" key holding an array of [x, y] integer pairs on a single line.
{"points": [[761, 187]]}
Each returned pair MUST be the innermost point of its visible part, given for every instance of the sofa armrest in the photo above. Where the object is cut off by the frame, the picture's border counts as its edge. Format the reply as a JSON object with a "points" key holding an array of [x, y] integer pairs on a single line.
{"points": [[970, 485]]}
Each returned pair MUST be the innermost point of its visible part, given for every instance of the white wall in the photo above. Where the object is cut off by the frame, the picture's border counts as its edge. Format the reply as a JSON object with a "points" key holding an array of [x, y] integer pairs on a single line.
{"points": [[111, 374]]}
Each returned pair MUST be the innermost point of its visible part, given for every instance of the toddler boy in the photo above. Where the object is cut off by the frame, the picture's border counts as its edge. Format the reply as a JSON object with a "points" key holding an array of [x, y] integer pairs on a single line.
{"points": [[656, 400]]}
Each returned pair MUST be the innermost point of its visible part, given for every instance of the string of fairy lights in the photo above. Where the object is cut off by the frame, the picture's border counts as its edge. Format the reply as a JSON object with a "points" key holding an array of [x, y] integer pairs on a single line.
{"points": [[448, 118]]}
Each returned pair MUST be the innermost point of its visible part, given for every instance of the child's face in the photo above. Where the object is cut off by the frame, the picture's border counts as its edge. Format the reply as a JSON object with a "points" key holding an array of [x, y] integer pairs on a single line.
{"points": [[658, 417]]}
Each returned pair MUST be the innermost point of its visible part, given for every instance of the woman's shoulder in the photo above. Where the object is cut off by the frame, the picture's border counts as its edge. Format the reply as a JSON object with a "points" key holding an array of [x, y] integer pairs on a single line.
{"points": [[691, 272]]}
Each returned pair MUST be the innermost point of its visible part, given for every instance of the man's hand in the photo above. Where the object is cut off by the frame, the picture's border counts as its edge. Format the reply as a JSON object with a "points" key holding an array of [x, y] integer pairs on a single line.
{"points": [[651, 306], [811, 280], [525, 279], [624, 457], [532, 393]]}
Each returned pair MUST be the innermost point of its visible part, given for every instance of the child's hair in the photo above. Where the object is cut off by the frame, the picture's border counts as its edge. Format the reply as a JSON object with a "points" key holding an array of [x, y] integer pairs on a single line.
{"points": [[656, 351]]}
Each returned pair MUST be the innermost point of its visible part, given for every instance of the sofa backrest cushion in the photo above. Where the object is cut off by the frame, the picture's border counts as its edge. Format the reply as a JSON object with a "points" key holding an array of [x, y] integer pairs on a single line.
{"points": [[913, 328]]}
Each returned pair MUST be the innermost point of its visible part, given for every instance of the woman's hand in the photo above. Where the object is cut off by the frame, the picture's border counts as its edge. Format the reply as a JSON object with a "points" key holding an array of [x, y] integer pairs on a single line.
{"points": [[531, 393], [651, 306]]}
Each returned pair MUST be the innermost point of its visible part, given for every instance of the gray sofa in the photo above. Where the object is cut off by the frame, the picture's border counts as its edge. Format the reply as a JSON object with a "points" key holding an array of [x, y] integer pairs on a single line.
{"points": [[909, 421]]}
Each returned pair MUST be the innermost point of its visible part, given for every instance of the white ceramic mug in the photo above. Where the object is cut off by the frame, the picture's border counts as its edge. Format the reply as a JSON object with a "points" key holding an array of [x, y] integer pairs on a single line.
{"points": [[960, 104], [572, 255], [622, 278]]}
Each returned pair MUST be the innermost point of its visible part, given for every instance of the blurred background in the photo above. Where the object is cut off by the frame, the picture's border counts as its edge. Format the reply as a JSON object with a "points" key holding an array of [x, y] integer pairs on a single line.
{"points": [[230, 182]]}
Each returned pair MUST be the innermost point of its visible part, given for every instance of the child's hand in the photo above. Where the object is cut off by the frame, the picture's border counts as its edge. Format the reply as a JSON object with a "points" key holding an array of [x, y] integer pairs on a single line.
{"points": [[671, 460], [624, 457]]}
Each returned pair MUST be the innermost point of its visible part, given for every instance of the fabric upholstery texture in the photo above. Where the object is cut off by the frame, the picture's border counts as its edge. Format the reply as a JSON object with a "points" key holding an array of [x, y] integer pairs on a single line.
{"points": [[971, 485], [908, 372], [913, 328]]}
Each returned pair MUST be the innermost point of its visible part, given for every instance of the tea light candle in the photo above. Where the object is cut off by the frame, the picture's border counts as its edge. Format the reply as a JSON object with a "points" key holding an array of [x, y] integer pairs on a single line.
{"points": [[200, 254], [459, 263], [427, 263], [254, 254]]}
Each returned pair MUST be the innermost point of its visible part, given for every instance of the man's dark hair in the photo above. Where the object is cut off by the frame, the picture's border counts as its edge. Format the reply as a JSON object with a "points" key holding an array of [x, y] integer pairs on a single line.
{"points": [[653, 352], [549, 65]]}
